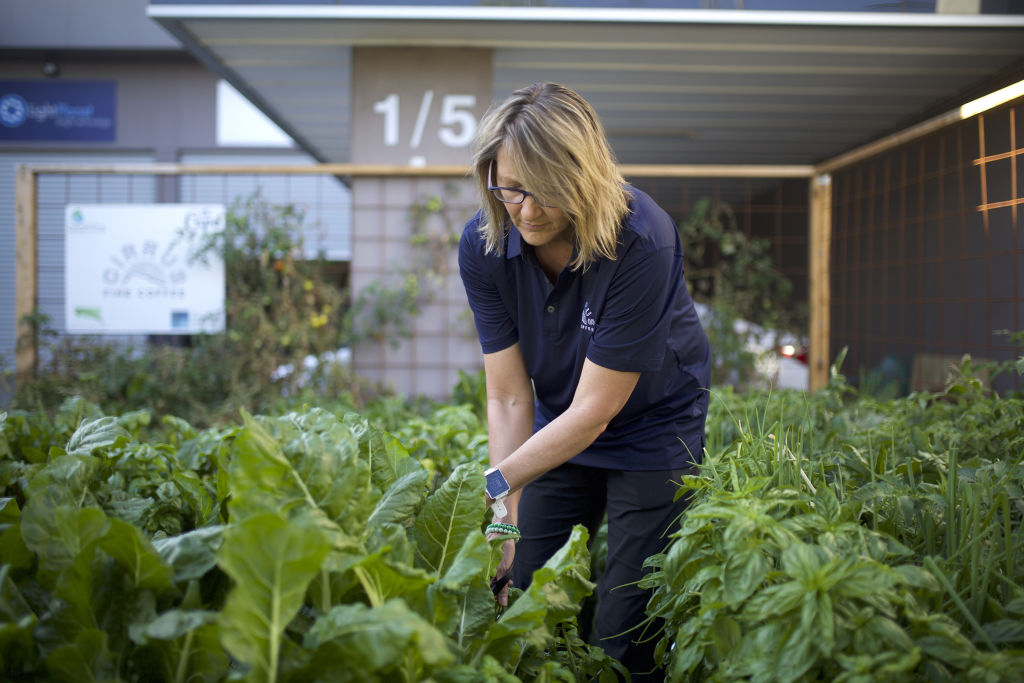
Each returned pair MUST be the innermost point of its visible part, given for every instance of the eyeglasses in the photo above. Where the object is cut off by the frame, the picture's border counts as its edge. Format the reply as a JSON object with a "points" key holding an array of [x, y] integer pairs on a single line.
{"points": [[511, 195]]}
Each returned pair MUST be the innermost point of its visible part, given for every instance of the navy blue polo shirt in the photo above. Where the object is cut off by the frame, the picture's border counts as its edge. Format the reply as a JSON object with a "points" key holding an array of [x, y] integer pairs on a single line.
{"points": [[633, 314]]}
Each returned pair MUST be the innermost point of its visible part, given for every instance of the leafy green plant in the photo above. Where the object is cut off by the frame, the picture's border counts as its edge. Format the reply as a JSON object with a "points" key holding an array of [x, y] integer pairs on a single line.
{"points": [[735, 277], [839, 537], [308, 546]]}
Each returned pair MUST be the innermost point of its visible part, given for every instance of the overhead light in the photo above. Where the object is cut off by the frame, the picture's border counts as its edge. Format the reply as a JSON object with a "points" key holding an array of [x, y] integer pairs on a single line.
{"points": [[994, 99]]}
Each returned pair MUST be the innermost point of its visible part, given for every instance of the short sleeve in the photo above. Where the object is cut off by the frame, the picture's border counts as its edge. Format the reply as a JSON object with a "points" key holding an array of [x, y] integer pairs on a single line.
{"points": [[483, 277], [632, 331]]}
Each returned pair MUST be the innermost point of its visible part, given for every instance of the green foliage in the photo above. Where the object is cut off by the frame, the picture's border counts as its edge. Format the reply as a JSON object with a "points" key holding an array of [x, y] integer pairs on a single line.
{"points": [[834, 536], [309, 546], [280, 305]]}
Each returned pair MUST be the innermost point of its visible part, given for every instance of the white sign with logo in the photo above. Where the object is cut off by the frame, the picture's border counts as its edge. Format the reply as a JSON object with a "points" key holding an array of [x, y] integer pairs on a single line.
{"points": [[132, 269]]}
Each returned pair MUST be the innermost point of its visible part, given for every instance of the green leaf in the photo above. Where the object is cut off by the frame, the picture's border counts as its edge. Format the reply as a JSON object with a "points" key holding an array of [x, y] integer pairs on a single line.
{"points": [[191, 555], [73, 412], [135, 421], [880, 633], [802, 561], [180, 428], [271, 560], [827, 505], [12, 546], [200, 497], [400, 501], [134, 551], [386, 457], [454, 510], [66, 478], [383, 581], [1003, 631], [916, 577], [176, 623], [101, 433], [461, 602], [744, 572], [57, 532], [358, 643], [86, 658], [303, 465], [555, 595], [775, 600], [184, 645], [17, 622], [725, 633]]}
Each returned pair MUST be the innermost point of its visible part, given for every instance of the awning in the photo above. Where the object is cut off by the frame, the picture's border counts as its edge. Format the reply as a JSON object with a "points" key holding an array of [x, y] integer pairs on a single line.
{"points": [[671, 86]]}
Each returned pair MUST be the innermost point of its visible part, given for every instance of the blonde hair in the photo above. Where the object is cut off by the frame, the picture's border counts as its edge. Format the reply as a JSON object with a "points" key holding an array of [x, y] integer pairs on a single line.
{"points": [[557, 149]]}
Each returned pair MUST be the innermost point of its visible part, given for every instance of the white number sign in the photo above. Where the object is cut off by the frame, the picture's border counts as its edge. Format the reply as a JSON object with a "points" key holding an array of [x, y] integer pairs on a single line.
{"points": [[457, 122]]}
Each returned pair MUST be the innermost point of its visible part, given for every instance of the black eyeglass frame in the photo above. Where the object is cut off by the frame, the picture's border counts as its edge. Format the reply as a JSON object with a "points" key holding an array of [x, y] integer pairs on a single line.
{"points": [[523, 194]]}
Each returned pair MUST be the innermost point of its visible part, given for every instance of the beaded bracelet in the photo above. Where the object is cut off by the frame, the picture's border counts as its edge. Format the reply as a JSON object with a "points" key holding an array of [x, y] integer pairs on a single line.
{"points": [[503, 529]]}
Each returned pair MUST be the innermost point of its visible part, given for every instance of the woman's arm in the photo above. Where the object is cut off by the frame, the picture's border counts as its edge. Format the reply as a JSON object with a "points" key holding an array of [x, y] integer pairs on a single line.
{"points": [[599, 397], [509, 410]]}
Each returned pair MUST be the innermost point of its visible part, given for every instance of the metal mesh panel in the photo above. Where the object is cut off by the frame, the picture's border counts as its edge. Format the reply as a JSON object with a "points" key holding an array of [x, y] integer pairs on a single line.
{"points": [[926, 254]]}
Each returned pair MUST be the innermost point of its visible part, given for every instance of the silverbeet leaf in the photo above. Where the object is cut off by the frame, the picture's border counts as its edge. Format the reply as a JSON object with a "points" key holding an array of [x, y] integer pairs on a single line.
{"points": [[191, 555], [461, 602], [554, 596], [17, 620], [385, 455], [383, 580], [450, 513], [86, 658], [280, 464], [271, 561], [400, 501], [182, 645], [355, 642], [12, 546], [136, 554]]}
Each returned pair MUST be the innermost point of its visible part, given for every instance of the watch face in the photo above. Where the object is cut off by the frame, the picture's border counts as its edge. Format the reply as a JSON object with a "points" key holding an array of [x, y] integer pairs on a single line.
{"points": [[496, 484]]}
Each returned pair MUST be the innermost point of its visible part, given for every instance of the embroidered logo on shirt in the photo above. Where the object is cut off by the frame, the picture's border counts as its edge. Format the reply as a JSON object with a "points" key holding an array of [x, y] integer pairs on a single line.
{"points": [[587, 321]]}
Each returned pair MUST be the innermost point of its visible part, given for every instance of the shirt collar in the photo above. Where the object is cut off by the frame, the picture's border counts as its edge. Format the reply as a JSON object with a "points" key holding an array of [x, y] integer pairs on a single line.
{"points": [[515, 243]]}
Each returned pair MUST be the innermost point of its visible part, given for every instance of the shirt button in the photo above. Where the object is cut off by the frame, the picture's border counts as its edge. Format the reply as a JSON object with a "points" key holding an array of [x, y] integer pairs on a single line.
{"points": [[551, 309]]}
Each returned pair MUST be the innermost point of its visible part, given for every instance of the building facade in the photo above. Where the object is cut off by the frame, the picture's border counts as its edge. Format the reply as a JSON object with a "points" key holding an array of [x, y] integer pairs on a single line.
{"points": [[744, 102]]}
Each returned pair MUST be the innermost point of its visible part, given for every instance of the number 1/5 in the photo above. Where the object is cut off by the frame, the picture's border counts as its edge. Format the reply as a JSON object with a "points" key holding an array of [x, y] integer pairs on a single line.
{"points": [[457, 127]]}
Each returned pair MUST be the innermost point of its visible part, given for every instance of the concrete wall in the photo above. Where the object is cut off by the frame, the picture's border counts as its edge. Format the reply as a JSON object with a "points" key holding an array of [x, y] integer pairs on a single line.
{"points": [[443, 337]]}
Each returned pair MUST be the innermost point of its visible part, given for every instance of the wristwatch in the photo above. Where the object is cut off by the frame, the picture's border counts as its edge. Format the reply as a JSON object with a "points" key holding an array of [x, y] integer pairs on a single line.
{"points": [[497, 488]]}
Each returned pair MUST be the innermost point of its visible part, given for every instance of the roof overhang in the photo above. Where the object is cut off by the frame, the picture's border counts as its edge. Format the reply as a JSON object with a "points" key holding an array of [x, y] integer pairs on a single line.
{"points": [[671, 86]]}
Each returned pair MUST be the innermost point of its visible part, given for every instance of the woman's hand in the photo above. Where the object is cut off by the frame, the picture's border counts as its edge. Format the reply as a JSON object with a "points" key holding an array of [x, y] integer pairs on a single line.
{"points": [[502, 575], [503, 527]]}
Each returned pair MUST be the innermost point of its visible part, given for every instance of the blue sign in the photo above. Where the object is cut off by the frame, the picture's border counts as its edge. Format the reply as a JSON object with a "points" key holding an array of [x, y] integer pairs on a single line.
{"points": [[58, 110]]}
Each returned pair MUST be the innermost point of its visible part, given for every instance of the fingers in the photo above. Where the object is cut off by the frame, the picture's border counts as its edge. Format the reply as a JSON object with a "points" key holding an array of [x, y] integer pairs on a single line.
{"points": [[503, 574]]}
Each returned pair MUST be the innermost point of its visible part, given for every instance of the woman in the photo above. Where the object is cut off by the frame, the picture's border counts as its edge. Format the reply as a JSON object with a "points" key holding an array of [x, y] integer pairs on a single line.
{"points": [[596, 364]]}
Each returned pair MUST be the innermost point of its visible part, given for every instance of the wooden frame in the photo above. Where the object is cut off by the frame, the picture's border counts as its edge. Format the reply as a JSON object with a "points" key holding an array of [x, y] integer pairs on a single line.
{"points": [[27, 216]]}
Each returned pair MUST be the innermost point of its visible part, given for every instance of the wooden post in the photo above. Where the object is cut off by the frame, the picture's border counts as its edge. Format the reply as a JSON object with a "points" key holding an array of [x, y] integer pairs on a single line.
{"points": [[26, 271], [819, 354]]}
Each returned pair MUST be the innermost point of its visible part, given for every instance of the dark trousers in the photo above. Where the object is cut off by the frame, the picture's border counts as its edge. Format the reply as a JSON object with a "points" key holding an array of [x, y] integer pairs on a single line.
{"points": [[641, 516]]}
